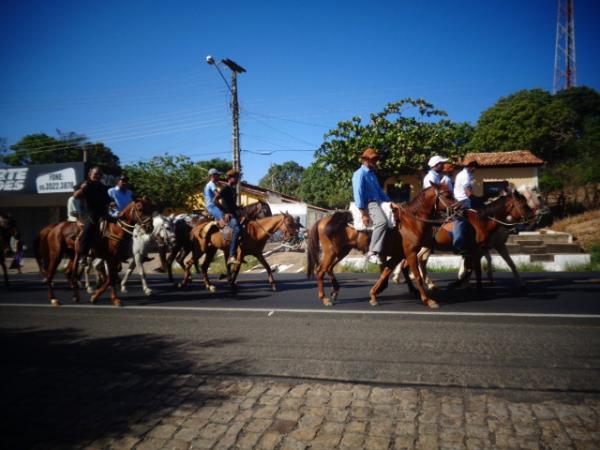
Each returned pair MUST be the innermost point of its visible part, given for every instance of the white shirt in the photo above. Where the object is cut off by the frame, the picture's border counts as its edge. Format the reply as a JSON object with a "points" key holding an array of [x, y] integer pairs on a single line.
{"points": [[431, 177], [464, 180], [446, 179]]}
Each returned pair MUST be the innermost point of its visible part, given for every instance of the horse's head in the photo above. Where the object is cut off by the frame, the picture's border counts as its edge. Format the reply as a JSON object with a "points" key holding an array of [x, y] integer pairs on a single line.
{"points": [[288, 226], [163, 229], [518, 207], [535, 202], [138, 212], [440, 198]]}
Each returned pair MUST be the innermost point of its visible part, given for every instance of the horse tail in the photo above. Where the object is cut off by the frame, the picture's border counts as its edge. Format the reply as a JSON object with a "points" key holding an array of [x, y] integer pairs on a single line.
{"points": [[312, 250], [40, 248]]}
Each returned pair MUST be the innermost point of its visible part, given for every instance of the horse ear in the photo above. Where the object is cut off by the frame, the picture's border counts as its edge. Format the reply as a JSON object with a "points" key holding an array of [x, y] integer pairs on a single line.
{"points": [[435, 185]]}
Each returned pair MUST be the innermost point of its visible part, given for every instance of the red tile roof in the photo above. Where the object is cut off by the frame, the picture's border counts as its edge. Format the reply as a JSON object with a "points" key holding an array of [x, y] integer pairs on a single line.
{"points": [[503, 159]]}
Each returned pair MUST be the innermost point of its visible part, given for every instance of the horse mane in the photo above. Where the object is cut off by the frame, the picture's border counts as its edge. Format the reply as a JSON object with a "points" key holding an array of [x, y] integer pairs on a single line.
{"points": [[338, 220], [493, 208], [417, 204]]}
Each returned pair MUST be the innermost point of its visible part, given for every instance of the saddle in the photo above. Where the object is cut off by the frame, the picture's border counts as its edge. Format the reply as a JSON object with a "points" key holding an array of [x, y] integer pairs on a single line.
{"points": [[357, 223], [217, 226]]}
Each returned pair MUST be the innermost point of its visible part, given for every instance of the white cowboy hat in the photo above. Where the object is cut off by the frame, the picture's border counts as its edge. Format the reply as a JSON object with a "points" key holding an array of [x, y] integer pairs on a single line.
{"points": [[435, 160]]}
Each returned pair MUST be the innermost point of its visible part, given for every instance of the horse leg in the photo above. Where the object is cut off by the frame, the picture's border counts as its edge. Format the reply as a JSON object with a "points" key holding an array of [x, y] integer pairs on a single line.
{"points": [[128, 272], [503, 251], [423, 258], [53, 262], [4, 269], [477, 264], [335, 285], [140, 265], [169, 262], [414, 267], [326, 264], [382, 283], [265, 264], [108, 280], [490, 267], [208, 258], [111, 280], [187, 267]]}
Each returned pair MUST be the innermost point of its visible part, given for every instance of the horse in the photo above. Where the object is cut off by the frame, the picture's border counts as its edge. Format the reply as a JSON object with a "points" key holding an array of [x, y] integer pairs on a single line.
{"points": [[8, 230], [337, 238], [488, 228], [184, 240], [162, 234], [56, 240], [253, 240]]}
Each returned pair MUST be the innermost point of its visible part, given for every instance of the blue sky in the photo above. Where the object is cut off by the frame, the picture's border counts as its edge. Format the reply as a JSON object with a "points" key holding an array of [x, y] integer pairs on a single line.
{"points": [[132, 74]]}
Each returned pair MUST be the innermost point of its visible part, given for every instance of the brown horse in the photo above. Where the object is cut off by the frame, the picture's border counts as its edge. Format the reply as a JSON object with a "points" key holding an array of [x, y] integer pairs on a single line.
{"points": [[8, 230], [184, 239], [253, 241], [485, 222], [57, 240], [337, 238]]}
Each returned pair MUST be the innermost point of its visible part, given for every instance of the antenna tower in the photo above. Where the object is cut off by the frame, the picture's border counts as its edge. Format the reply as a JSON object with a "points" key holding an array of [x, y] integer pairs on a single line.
{"points": [[564, 56]]}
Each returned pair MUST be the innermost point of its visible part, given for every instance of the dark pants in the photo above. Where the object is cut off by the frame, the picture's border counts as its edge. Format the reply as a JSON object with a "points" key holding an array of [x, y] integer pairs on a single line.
{"points": [[234, 223], [89, 235], [461, 226]]}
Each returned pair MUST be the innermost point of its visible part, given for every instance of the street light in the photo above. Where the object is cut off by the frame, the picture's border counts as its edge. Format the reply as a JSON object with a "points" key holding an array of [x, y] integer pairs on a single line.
{"points": [[235, 69]]}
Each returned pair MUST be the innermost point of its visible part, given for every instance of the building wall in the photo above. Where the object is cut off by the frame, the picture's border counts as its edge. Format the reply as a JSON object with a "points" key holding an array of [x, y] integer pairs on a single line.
{"points": [[517, 176]]}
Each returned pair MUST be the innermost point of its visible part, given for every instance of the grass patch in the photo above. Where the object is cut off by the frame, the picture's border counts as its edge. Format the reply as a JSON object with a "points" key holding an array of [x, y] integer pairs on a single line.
{"points": [[592, 266], [351, 268], [218, 264]]}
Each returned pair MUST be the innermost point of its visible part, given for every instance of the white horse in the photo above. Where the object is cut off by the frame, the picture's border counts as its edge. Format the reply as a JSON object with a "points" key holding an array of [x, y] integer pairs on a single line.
{"points": [[162, 233]]}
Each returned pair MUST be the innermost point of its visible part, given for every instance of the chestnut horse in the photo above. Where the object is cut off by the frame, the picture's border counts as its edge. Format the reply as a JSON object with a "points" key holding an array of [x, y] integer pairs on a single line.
{"points": [[253, 240], [54, 241], [184, 239], [337, 238], [485, 222]]}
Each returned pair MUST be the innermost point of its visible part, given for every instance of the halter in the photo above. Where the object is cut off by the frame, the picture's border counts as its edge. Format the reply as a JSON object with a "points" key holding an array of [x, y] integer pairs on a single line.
{"points": [[282, 224], [438, 198], [127, 227], [510, 224]]}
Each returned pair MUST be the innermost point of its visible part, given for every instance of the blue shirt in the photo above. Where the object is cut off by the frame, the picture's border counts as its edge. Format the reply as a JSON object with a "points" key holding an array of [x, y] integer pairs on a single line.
{"points": [[210, 191], [365, 186], [121, 197]]}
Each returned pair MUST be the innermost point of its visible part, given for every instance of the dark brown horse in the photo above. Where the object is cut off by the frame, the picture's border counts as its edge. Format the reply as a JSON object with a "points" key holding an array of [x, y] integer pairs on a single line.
{"points": [[484, 224], [254, 239], [336, 238], [184, 239], [58, 240], [8, 230]]}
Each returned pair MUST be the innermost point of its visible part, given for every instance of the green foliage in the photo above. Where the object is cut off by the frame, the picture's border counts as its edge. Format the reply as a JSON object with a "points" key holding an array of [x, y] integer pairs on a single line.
{"points": [[68, 147], [171, 181], [549, 182], [321, 187], [528, 119], [405, 133], [284, 178]]}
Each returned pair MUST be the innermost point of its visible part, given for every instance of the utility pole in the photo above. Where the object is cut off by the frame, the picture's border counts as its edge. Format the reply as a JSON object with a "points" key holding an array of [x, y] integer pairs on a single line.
{"points": [[235, 110]]}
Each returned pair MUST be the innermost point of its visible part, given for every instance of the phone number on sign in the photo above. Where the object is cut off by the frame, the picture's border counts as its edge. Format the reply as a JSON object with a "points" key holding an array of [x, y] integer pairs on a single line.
{"points": [[56, 185]]}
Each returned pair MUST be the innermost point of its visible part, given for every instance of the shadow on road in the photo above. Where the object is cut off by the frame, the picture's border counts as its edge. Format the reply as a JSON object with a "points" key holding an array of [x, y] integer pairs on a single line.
{"points": [[61, 389]]}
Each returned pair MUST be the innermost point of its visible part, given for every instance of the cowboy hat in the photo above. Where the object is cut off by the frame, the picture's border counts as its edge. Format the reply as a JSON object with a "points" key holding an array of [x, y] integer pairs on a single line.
{"points": [[370, 153]]}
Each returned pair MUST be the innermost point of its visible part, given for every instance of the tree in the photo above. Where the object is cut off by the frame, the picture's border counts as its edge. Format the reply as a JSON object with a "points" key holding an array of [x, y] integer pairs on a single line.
{"points": [[68, 147], [171, 181], [321, 187], [284, 178], [529, 119]]}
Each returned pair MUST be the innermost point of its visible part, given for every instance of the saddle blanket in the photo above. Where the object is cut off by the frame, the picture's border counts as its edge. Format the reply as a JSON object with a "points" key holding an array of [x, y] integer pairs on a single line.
{"points": [[357, 216]]}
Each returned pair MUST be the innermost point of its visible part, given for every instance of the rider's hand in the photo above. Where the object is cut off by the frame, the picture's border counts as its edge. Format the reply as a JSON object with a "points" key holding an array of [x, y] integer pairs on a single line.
{"points": [[366, 220]]}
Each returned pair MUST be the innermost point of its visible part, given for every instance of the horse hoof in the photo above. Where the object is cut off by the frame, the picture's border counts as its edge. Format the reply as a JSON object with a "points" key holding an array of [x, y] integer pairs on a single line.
{"points": [[212, 288], [124, 290], [180, 285], [54, 302], [327, 302], [148, 292], [117, 302], [334, 296], [274, 288], [93, 300], [373, 302], [432, 304], [90, 290]]}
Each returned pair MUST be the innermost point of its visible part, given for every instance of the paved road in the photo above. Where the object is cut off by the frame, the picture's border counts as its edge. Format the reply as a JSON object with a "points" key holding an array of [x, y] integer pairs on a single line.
{"points": [[524, 368]]}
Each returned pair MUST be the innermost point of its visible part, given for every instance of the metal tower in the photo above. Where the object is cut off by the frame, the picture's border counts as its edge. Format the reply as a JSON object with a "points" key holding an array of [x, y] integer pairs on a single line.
{"points": [[564, 56]]}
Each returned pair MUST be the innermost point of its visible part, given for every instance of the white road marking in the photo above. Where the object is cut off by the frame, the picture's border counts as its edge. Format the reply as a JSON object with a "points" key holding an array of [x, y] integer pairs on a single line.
{"points": [[311, 311]]}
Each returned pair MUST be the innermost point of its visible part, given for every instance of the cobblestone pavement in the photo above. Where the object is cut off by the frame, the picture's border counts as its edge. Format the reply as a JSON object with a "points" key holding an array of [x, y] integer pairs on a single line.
{"points": [[190, 412]]}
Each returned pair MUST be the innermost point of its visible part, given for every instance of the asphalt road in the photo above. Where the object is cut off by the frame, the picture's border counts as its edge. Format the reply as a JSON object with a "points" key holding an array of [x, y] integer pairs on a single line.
{"points": [[546, 339]]}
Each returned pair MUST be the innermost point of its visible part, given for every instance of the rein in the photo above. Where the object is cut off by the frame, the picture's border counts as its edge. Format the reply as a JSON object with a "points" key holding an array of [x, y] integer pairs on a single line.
{"points": [[449, 217]]}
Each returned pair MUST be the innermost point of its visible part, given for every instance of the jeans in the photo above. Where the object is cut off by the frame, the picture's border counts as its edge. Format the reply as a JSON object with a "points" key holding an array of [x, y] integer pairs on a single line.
{"points": [[379, 227], [237, 229], [89, 235], [461, 225], [215, 212]]}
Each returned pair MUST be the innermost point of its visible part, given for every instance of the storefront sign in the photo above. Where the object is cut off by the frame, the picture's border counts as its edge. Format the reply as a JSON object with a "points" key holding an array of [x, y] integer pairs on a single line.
{"points": [[41, 178]]}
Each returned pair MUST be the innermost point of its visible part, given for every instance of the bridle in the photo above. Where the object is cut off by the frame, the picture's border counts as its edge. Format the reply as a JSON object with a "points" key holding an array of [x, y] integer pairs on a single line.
{"points": [[281, 227], [138, 219], [438, 199]]}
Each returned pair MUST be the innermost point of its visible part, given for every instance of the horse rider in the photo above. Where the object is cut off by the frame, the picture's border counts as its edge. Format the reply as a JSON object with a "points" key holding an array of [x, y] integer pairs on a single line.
{"points": [[434, 176], [211, 194], [121, 195], [74, 211], [227, 203], [368, 197], [97, 200], [463, 191]]}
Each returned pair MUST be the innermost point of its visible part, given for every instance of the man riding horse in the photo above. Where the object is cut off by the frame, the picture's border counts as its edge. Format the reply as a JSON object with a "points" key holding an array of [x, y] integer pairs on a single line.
{"points": [[222, 206], [368, 197]]}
